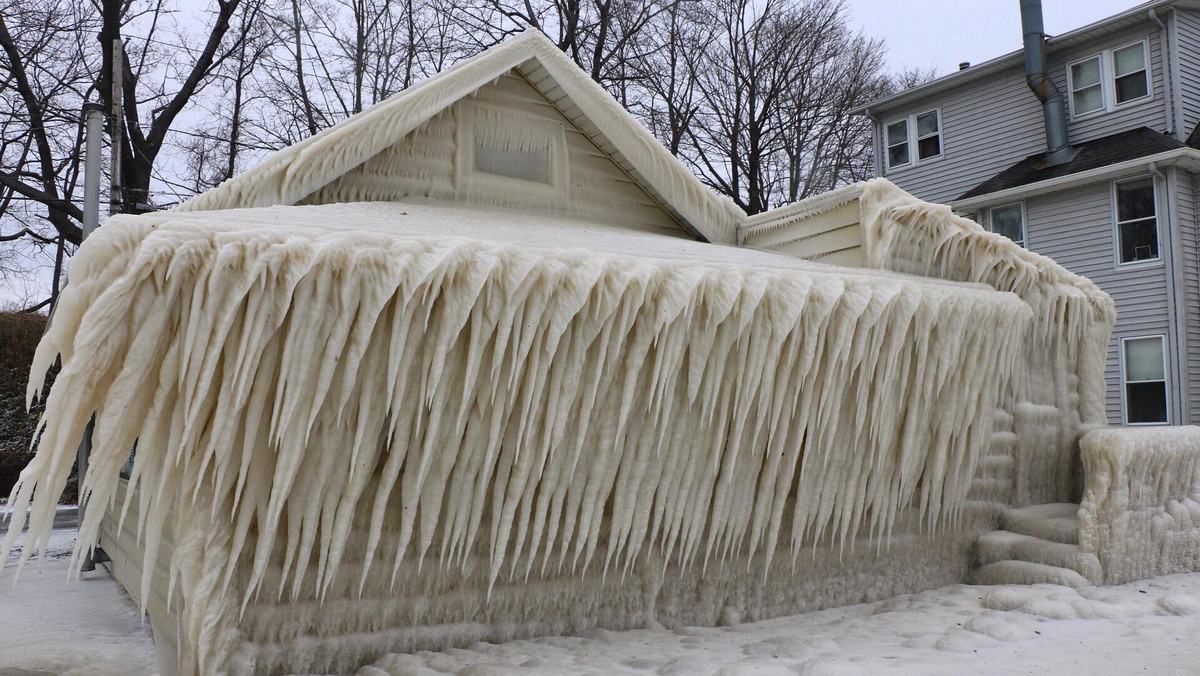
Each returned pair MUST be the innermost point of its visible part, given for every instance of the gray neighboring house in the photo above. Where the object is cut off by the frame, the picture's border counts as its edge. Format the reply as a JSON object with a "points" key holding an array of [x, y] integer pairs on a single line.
{"points": [[1118, 203]]}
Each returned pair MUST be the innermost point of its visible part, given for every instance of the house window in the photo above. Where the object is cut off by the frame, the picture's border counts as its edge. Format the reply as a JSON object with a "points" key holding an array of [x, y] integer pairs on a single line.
{"points": [[1130, 80], [503, 154], [1137, 221], [923, 131], [897, 142], [1008, 220], [929, 135], [1109, 79], [1144, 378], [1087, 89], [526, 164]]}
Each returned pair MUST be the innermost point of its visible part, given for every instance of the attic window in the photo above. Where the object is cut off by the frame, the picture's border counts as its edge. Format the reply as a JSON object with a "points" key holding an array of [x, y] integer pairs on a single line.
{"points": [[509, 155], [525, 164]]}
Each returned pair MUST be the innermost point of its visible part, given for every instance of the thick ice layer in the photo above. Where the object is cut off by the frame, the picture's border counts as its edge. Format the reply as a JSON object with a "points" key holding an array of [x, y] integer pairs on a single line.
{"points": [[575, 399], [1141, 508], [1058, 390]]}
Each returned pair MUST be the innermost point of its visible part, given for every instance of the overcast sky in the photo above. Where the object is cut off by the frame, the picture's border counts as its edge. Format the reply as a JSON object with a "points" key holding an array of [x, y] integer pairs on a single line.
{"points": [[943, 33]]}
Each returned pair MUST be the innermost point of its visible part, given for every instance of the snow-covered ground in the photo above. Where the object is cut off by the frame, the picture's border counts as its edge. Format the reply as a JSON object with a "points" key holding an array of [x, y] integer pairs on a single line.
{"points": [[1151, 627], [90, 627], [51, 626]]}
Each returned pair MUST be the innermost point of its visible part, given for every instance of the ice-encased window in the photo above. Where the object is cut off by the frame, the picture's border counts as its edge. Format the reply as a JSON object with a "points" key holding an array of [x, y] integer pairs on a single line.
{"points": [[510, 155], [526, 164]]}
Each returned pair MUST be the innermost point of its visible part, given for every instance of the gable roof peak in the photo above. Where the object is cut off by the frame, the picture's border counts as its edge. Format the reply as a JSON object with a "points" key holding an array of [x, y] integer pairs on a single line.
{"points": [[290, 174]]}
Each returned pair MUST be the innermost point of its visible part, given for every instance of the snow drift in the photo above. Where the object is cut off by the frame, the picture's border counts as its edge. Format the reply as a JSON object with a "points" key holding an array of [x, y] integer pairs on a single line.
{"points": [[401, 384]]}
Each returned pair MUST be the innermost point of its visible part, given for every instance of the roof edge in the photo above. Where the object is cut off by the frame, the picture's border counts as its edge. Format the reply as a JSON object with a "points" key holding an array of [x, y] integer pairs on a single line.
{"points": [[1190, 156]]}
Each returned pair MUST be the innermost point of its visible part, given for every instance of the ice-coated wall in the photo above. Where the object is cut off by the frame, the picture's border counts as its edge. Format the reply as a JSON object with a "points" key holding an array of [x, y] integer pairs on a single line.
{"points": [[1140, 515], [1057, 393], [365, 419], [434, 161]]}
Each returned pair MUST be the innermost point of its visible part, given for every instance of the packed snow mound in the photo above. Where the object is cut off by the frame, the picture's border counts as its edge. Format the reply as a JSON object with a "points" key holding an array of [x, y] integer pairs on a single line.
{"points": [[554, 395]]}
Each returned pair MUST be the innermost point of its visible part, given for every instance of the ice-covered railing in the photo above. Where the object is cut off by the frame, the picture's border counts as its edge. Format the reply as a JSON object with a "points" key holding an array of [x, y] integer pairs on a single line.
{"points": [[1065, 346], [1140, 515], [553, 408]]}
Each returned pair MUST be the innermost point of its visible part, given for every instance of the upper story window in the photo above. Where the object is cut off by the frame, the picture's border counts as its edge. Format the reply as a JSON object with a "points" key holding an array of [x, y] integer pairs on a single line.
{"points": [[1130, 79], [1136, 221], [897, 143], [1144, 380], [1087, 88], [1008, 220], [1109, 79], [922, 131]]}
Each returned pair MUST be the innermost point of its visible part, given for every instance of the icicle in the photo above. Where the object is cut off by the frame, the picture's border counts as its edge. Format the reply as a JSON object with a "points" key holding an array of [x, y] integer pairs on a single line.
{"points": [[338, 408]]}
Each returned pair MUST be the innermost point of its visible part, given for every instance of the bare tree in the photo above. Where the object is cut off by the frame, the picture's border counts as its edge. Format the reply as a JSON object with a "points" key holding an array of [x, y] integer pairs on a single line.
{"points": [[755, 95]]}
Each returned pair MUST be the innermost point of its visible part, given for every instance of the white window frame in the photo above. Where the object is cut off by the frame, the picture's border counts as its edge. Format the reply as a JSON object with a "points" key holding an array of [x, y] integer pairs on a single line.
{"points": [[914, 151], [1024, 243], [1166, 381], [1116, 225], [1108, 81], [1112, 62]]}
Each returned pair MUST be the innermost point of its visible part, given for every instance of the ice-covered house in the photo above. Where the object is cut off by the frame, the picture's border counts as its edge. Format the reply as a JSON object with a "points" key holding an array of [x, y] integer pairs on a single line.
{"points": [[486, 361]]}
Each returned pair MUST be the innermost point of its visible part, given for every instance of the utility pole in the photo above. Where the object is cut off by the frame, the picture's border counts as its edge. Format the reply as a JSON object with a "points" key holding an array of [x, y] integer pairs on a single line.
{"points": [[111, 78], [93, 119], [110, 93]]}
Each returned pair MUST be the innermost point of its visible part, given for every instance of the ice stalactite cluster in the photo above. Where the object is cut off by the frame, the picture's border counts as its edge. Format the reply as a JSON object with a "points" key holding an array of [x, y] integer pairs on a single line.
{"points": [[549, 408], [1141, 505], [1059, 389]]}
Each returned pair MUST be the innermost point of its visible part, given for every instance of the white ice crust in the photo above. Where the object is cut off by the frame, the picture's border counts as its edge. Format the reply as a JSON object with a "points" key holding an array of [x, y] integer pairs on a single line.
{"points": [[293, 173], [1141, 508], [441, 386]]}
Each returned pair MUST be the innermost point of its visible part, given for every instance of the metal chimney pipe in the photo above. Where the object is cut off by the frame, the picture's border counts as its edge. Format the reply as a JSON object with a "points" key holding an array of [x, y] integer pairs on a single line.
{"points": [[1054, 105]]}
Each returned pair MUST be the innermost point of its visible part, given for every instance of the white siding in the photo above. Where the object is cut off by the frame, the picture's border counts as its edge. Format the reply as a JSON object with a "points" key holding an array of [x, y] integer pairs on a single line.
{"points": [[991, 124], [1075, 228]]}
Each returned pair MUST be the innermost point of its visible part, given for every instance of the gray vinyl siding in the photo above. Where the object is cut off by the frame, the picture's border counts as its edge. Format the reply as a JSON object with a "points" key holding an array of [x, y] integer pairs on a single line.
{"points": [[1187, 31], [991, 124], [1075, 228], [1189, 188]]}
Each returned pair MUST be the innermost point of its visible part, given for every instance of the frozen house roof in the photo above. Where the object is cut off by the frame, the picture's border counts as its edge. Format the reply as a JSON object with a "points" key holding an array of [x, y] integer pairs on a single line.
{"points": [[293, 173]]}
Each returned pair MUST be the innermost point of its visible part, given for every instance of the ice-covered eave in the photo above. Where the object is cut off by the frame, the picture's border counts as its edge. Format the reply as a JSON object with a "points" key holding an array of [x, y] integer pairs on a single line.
{"points": [[798, 211], [289, 175], [246, 352]]}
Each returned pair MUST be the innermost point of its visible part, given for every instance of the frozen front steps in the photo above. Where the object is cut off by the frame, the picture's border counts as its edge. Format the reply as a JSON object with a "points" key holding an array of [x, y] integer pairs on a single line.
{"points": [[1039, 546], [1025, 572], [1057, 522]]}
